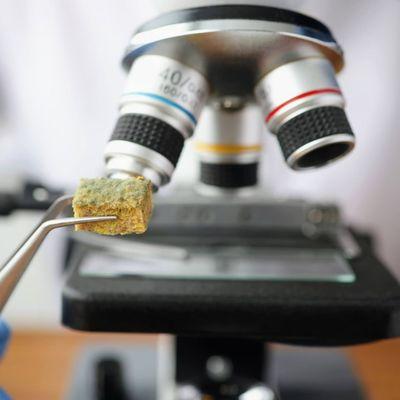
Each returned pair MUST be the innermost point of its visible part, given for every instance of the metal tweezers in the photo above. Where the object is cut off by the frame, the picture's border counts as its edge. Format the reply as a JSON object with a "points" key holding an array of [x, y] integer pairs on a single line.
{"points": [[13, 269]]}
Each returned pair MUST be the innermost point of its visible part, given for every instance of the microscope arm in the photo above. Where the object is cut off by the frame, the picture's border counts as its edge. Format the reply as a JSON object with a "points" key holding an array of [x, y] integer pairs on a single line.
{"points": [[32, 196]]}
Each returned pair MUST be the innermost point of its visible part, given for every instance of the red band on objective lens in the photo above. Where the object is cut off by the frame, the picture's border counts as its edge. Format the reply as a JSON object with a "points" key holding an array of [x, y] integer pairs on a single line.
{"points": [[301, 96]]}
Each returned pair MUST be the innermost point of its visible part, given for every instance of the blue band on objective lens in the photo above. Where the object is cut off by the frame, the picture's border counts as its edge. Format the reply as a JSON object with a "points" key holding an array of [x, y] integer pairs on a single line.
{"points": [[166, 101]]}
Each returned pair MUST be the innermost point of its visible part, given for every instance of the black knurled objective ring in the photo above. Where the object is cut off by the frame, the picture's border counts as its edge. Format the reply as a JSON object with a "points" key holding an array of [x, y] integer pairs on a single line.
{"points": [[150, 132], [311, 125], [229, 176]]}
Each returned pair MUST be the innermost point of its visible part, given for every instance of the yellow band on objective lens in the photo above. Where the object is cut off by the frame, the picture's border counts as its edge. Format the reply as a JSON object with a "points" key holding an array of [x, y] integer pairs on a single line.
{"points": [[226, 148]]}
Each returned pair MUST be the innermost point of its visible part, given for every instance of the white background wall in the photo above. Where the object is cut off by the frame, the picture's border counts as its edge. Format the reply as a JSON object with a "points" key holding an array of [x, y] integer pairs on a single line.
{"points": [[60, 81]]}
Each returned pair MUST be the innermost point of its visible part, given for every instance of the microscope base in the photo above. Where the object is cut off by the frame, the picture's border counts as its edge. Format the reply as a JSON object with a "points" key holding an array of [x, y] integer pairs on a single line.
{"points": [[299, 373]]}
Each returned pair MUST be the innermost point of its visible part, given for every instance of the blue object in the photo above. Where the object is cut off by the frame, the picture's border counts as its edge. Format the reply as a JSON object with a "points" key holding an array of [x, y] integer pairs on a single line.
{"points": [[3, 395], [5, 334], [4, 338]]}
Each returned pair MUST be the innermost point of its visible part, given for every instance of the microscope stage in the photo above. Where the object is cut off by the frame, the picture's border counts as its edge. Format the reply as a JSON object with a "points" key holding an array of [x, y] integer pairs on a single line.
{"points": [[226, 275], [219, 263]]}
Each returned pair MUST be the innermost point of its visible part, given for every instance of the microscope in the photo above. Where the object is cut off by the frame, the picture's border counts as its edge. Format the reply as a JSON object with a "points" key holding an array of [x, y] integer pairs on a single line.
{"points": [[224, 269]]}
